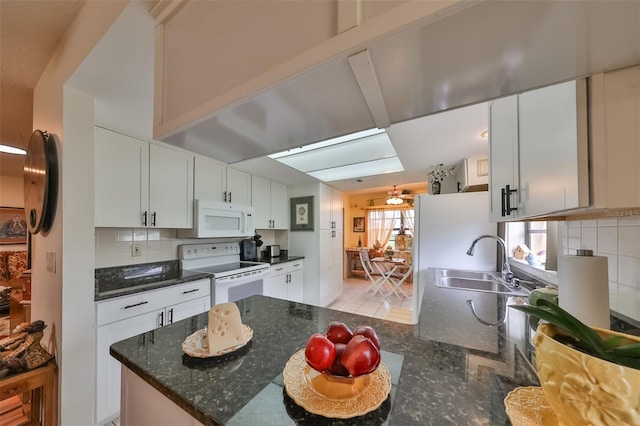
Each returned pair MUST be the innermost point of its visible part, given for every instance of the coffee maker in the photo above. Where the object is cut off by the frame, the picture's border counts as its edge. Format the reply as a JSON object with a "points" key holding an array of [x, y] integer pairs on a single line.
{"points": [[249, 248]]}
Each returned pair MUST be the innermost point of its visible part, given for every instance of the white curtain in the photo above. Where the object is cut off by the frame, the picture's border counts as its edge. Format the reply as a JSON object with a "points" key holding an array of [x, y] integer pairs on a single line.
{"points": [[381, 224], [408, 220]]}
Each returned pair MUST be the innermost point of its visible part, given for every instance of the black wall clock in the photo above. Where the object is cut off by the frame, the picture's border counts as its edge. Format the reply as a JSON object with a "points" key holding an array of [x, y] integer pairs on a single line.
{"points": [[40, 182]]}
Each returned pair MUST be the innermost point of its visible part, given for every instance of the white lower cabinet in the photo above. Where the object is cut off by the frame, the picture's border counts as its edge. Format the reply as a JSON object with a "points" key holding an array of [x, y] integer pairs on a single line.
{"points": [[128, 316], [286, 281]]}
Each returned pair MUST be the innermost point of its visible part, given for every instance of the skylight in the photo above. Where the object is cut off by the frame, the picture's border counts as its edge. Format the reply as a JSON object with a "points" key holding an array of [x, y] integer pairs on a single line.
{"points": [[360, 154]]}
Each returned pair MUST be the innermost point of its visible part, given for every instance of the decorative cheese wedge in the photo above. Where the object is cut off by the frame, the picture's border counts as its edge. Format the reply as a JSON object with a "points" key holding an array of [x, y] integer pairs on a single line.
{"points": [[225, 328]]}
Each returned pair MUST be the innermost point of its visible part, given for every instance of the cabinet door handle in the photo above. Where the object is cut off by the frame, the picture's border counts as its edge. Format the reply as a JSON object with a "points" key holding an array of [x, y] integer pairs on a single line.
{"points": [[504, 201], [508, 193], [296, 264], [171, 316], [279, 269], [190, 291], [153, 219], [161, 322], [225, 196], [144, 218], [229, 196], [136, 304]]}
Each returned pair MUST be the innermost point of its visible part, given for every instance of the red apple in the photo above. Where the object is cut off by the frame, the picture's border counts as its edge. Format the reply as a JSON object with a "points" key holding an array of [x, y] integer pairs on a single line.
{"points": [[337, 369], [369, 332], [360, 356], [339, 332], [320, 352]]}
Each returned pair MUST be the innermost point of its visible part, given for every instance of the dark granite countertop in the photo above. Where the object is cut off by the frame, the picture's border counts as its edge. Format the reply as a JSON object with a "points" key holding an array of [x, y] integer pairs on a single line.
{"points": [[436, 379], [280, 259], [125, 280]]}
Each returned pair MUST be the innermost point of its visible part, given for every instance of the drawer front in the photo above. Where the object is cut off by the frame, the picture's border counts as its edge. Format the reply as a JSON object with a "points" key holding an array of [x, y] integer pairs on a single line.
{"points": [[188, 291], [285, 268], [129, 306]]}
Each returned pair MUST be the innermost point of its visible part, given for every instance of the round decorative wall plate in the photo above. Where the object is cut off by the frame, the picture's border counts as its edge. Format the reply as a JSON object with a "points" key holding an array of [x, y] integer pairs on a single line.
{"points": [[40, 182]]}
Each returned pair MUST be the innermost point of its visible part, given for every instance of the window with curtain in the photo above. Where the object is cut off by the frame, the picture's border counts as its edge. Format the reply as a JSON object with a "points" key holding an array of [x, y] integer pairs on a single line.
{"points": [[385, 224]]}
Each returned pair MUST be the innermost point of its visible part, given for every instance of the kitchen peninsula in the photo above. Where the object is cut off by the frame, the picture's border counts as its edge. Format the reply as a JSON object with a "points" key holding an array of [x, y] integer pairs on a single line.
{"points": [[432, 382]]}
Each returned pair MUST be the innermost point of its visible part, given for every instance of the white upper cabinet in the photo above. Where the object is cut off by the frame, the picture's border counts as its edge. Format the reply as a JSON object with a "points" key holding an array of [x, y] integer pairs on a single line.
{"points": [[330, 208], [503, 157], [615, 135], [141, 184], [210, 180], [472, 175], [553, 149], [121, 179], [214, 181], [539, 152], [270, 202], [170, 188], [238, 187]]}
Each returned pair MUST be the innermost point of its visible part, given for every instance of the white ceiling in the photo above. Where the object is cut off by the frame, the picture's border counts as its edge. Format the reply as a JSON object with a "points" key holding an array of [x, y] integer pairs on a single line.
{"points": [[31, 29], [445, 137], [29, 33], [30, 46]]}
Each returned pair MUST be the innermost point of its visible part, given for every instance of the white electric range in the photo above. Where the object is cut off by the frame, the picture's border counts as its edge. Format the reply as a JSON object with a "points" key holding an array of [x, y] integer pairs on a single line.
{"points": [[232, 278]]}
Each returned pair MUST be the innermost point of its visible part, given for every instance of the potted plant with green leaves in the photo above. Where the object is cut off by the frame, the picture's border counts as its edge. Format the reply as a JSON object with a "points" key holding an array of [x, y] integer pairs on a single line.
{"points": [[589, 375]]}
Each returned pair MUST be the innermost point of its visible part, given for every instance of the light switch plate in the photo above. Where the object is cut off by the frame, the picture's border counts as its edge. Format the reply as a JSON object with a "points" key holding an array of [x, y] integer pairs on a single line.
{"points": [[136, 250], [51, 261]]}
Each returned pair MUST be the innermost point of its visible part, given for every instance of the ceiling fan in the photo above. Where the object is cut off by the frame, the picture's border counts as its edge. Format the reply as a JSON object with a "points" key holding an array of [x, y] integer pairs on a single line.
{"points": [[397, 197]]}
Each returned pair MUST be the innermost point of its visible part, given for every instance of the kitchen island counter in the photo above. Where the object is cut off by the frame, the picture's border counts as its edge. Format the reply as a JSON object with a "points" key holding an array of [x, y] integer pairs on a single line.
{"points": [[432, 382]]}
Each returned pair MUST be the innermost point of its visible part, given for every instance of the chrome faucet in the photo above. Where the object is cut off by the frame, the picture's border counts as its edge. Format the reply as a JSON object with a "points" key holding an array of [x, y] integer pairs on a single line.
{"points": [[507, 275]]}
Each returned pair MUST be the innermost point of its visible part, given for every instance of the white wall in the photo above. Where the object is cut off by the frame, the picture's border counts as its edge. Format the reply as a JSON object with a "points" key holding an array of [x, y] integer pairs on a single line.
{"points": [[11, 191], [64, 290]]}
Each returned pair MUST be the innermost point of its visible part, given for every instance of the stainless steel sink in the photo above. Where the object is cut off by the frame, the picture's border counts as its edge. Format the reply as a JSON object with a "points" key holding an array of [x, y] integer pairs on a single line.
{"points": [[483, 281], [475, 275], [491, 285]]}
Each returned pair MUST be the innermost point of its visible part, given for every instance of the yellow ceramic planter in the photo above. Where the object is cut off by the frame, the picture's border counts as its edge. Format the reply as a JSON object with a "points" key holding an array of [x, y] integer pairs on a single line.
{"points": [[585, 390]]}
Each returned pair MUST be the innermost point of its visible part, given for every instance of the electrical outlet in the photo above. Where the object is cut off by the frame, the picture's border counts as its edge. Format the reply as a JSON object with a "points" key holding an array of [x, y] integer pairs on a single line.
{"points": [[136, 250]]}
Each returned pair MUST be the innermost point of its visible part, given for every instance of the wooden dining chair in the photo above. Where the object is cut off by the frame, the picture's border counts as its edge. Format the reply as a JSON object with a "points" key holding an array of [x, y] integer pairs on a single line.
{"points": [[373, 274]]}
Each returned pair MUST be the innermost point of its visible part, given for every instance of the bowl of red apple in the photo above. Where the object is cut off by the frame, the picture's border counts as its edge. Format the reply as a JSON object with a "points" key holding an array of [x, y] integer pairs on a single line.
{"points": [[341, 359]]}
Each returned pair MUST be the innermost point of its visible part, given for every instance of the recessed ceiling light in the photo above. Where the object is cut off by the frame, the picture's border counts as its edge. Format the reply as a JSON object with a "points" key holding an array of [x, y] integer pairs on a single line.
{"points": [[7, 149], [484, 134]]}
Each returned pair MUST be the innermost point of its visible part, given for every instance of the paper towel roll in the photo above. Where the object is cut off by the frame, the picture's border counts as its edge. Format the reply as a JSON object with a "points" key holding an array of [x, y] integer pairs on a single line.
{"points": [[583, 288]]}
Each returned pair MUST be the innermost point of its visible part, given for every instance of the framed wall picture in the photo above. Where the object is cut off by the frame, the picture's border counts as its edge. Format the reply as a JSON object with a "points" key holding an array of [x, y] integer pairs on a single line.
{"points": [[302, 214], [13, 226], [358, 224]]}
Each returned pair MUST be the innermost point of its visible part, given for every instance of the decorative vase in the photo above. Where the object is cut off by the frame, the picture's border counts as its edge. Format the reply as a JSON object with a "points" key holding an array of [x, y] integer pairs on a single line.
{"points": [[435, 187], [583, 389]]}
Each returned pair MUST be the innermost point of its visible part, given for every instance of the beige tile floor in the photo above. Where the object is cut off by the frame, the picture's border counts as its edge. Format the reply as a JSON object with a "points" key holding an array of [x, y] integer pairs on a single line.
{"points": [[357, 299]]}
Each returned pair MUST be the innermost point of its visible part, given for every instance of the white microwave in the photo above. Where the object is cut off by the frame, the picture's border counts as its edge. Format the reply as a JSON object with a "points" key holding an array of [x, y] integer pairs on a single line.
{"points": [[213, 219]]}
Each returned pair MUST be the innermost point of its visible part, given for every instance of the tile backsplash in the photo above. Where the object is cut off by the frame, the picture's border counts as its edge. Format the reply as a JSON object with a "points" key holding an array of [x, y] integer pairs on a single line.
{"points": [[619, 240], [114, 245]]}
